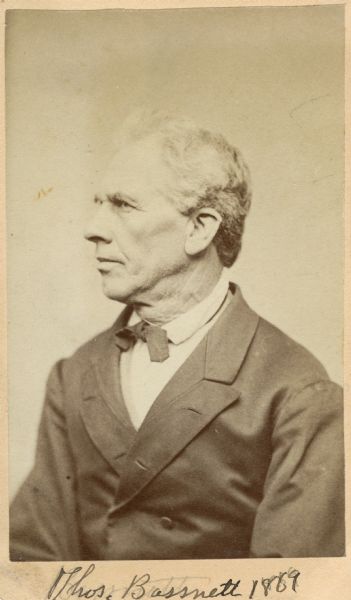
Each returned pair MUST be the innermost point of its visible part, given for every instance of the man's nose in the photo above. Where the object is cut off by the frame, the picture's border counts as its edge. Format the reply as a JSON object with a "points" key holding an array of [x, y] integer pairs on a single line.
{"points": [[98, 228]]}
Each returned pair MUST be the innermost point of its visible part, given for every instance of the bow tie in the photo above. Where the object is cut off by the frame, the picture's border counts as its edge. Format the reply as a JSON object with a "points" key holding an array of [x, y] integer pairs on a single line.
{"points": [[154, 336]]}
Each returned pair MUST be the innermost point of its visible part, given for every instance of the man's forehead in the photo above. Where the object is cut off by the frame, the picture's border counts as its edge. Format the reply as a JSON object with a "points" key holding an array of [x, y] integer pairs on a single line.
{"points": [[136, 166]]}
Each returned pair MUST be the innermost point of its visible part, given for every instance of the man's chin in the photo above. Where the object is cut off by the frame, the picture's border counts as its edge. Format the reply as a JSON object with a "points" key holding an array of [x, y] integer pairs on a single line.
{"points": [[117, 296], [116, 292]]}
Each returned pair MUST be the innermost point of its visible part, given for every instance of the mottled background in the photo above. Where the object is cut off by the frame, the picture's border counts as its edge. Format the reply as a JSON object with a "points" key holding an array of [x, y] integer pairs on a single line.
{"points": [[270, 79]]}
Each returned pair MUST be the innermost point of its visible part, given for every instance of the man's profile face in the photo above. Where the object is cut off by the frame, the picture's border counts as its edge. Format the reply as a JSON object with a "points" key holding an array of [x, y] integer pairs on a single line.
{"points": [[139, 233]]}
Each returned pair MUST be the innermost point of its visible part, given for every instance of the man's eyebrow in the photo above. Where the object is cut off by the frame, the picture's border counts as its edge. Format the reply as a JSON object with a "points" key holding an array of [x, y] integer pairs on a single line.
{"points": [[117, 197]]}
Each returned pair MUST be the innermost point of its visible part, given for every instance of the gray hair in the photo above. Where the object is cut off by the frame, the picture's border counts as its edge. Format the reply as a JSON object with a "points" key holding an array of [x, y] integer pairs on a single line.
{"points": [[209, 172]]}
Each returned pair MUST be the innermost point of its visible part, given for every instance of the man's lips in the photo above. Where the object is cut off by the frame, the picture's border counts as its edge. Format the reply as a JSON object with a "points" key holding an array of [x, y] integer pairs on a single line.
{"points": [[105, 259], [105, 263]]}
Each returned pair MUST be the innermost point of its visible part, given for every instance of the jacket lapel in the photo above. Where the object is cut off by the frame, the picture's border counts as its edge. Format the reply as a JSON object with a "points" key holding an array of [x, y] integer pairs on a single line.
{"points": [[102, 408], [198, 392]]}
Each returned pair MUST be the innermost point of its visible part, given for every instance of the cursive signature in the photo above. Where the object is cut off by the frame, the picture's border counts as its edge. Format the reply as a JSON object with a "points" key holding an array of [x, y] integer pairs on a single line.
{"points": [[64, 582], [74, 582]]}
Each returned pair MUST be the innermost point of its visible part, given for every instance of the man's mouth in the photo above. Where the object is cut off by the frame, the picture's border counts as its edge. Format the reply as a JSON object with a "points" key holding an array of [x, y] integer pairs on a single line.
{"points": [[106, 263], [103, 259]]}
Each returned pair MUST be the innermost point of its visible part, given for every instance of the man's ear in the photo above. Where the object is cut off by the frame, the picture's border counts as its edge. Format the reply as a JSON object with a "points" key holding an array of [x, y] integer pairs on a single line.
{"points": [[202, 228]]}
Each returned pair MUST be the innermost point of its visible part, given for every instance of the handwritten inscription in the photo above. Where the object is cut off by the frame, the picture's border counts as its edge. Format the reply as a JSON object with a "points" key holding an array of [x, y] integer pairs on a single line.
{"points": [[74, 583]]}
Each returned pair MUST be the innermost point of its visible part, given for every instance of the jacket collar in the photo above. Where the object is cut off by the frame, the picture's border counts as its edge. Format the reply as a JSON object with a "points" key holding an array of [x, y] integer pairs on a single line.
{"points": [[224, 348], [229, 340]]}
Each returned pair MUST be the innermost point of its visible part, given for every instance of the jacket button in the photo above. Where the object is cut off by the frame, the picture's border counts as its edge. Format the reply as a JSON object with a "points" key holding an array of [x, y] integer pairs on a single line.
{"points": [[167, 523]]}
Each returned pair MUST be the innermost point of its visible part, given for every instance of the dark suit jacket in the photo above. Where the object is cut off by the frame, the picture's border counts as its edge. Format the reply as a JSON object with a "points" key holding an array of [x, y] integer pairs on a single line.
{"points": [[240, 455]]}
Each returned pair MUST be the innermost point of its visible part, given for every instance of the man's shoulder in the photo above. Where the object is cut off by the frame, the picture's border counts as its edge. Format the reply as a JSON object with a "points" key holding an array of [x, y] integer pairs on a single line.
{"points": [[270, 353], [94, 348], [282, 354], [95, 345]]}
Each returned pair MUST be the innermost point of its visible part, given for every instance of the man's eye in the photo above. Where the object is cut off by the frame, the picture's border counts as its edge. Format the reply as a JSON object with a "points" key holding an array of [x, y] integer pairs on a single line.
{"points": [[122, 203], [98, 201], [119, 202]]}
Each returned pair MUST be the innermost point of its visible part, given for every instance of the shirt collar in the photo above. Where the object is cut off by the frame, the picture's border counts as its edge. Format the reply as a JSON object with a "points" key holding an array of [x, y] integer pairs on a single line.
{"points": [[187, 324]]}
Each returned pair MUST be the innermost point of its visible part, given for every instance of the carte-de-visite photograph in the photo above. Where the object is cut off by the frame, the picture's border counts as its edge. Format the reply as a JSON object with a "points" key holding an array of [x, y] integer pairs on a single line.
{"points": [[175, 283]]}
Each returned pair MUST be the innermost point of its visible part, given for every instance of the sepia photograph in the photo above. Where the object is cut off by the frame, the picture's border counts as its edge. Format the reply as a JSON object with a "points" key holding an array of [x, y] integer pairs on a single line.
{"points": [[175, 283]]}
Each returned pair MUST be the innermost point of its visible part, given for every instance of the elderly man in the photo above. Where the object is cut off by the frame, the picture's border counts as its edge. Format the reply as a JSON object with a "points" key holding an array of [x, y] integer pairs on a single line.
{"points": [[192, 428]]}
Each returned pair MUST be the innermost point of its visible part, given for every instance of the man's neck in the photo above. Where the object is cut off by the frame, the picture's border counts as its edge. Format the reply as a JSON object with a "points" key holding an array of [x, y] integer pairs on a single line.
{"points": [[180, 297]]}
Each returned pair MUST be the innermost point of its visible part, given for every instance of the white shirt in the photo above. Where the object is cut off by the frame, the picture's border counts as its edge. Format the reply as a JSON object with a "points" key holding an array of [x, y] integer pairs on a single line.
{"points": [[141, 379]]}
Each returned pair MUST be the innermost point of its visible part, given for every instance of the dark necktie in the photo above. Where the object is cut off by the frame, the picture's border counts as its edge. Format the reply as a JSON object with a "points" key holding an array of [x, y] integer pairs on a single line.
{"points": [[154, 336]]}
